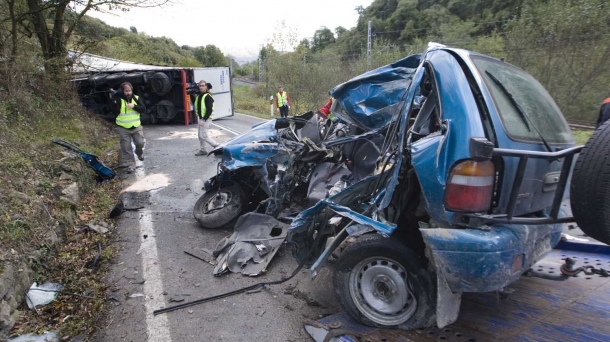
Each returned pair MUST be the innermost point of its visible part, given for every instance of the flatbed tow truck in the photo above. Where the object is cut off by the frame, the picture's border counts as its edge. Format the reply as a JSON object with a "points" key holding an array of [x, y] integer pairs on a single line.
{"points": [[543, 305]]}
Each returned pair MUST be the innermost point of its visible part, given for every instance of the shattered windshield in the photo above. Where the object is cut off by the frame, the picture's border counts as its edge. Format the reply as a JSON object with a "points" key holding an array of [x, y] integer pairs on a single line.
{"points": [[544, 121]]}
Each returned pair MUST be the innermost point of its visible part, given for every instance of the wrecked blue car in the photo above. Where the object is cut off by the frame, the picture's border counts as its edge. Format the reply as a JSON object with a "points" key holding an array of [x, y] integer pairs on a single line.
{"points": [[450, 177]]}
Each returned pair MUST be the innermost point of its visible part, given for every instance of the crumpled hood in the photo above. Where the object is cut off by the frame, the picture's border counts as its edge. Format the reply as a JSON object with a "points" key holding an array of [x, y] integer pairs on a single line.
{"points": [[370, 100], [262, 132]]}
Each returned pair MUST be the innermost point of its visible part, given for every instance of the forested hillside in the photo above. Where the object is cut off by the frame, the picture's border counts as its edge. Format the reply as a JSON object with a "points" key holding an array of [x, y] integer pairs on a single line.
{"points": [[563, 43], [94, 36]]}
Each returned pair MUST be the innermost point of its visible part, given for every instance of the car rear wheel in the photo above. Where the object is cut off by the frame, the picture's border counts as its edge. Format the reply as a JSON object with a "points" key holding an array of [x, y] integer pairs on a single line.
{"points": [[380, 282], [219, 208], [590, 187]]}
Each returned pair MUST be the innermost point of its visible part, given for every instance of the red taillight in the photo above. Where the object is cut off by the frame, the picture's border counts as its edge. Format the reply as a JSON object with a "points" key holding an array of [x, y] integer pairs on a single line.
{"points": [[470, 186]]}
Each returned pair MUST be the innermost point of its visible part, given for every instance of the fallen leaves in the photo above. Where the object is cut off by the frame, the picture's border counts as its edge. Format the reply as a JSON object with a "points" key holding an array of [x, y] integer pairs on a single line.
{"points": [[86, 216]]}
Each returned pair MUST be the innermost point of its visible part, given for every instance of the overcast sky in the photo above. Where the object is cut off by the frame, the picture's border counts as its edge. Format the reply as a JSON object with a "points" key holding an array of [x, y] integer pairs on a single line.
{"points": [[237, 27]]}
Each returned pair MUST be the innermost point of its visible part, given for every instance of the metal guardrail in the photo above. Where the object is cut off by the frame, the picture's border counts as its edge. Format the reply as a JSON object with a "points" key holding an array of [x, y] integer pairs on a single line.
{"points": [[581, 124]]}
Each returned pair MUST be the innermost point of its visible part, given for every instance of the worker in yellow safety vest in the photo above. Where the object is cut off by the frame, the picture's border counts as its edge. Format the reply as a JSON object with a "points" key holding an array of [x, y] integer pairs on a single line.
{"points": [[128, 108], [282, 102], [204, 108]]}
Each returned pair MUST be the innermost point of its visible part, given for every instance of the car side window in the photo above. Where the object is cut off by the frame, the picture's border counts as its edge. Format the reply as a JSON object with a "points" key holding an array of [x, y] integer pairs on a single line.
{"points": [[428, 117]]}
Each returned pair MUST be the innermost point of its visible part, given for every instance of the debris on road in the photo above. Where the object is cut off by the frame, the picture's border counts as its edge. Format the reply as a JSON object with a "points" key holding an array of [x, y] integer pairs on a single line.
{"points": [[99, 227], [136, 295], [45, 337], [113, 296], [176, 299], [43, 294], [104, 173], [254, 242], [204, 259], [94, 263]]}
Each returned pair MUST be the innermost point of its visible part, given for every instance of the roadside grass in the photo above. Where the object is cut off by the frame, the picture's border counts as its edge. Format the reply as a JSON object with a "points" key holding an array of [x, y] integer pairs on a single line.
{"points": [[35, 223], [581, 136], [248, 101]]}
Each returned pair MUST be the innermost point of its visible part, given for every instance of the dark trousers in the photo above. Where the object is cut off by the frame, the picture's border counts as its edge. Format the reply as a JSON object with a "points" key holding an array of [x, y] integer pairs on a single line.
{"points": [[125, 136], [283, 111]]}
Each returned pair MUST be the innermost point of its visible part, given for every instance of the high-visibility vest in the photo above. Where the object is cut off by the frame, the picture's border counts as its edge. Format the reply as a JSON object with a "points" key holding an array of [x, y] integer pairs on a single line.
{"points": [[128, 117], [203, 107], [282, 100]]}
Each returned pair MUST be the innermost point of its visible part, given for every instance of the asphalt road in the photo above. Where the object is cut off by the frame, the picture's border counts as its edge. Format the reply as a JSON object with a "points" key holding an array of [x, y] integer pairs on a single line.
{"points": [[152, 242]]}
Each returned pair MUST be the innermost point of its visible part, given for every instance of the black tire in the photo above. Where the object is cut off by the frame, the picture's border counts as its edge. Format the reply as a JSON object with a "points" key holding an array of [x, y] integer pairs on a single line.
{"points": [[166, 110], [590, 187], [373, 255], [160, 83], [135, 78], [98, 79], [224, 217], [115, 79]]}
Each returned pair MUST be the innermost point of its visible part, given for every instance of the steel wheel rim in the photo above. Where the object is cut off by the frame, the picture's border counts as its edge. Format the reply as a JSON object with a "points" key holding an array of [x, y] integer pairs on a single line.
{"points": [[379, 289], [217, 202]]}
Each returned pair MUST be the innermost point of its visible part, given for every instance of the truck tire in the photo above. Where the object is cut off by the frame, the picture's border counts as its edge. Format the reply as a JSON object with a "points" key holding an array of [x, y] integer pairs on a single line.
{"points": [[590, 187], [166, 110], [115, 79], [135, 78], [98, 79], [218, 213], [374, 267], [160, 83]]}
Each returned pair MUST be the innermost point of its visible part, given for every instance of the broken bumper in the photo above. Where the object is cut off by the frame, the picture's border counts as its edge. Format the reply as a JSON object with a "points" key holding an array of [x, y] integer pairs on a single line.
{"points": [[473, 260]]}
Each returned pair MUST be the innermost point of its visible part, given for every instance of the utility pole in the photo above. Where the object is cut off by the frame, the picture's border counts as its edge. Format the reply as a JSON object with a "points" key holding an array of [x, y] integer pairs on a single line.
{"points": [[260, 69], [368, 48]]}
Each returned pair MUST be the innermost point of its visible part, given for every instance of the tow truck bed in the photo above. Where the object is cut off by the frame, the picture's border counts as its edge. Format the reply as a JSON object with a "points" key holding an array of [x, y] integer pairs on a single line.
{"points": [[537, 309]]}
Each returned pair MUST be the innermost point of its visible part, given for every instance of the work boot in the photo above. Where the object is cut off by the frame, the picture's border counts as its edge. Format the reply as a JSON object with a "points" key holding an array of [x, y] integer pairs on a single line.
{"points": [[201, 153]]}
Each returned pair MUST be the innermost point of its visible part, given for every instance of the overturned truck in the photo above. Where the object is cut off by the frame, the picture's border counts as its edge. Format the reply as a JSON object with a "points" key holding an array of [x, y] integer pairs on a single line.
{"points": [[167, 92], [448, 169]]}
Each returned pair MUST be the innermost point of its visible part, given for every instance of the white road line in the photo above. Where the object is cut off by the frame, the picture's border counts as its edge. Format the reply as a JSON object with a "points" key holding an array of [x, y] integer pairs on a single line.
{"points": [[157, 327], [253, 117], [230, 130]]}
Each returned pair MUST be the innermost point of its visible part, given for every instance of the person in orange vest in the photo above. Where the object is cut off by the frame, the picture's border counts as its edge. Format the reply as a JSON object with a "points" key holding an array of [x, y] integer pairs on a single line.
{"points": [[324, 112], [282, 102], [604, 113]]}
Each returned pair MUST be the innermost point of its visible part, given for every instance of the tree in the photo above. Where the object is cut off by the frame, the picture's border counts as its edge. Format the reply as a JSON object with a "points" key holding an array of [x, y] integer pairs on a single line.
{"points": [[322, 38], [339, 31], [266, 52], [564, 45], [133, 29], [210, 55], [304, 44], [54, 36]]}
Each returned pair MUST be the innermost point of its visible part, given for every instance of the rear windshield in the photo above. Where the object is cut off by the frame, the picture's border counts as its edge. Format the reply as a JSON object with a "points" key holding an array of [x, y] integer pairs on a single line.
{"points": [[533, 113]]}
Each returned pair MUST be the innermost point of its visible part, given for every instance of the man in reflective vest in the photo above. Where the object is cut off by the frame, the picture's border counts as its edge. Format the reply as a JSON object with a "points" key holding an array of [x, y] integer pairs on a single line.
{"points": [[282, 102], [128, 109], [204, 108]]}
